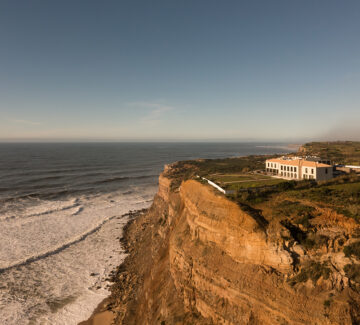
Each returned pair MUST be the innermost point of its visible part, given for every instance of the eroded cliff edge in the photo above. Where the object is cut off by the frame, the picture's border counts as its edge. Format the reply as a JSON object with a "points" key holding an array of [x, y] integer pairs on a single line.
{"points": [[196, 257]]}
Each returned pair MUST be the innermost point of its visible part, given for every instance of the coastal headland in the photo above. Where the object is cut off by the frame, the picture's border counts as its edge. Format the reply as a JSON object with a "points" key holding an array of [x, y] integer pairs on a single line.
{"points": [[271, 252]]}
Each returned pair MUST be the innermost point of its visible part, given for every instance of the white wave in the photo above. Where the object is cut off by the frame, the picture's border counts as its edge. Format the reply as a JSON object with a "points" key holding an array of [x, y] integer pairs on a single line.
{"points": [[58, 262], [57, 249], [45, 207]]}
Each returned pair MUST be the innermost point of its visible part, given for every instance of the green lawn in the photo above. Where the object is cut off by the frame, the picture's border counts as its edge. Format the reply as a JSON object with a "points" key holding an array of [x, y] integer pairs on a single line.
{"points": [[229, 178], [253, 184], [241, 181]]}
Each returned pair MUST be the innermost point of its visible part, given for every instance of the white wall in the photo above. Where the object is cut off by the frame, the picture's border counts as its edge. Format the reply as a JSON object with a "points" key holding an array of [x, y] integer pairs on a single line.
{"points": [[306, 172]]}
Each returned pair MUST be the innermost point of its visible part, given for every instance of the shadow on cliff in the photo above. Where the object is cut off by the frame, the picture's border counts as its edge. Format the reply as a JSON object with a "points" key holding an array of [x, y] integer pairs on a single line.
{"points": [[256, 214]]}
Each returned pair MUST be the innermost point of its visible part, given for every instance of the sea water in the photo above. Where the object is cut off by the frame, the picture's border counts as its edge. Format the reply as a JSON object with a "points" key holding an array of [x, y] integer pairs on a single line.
{"points": [[62, 211]]}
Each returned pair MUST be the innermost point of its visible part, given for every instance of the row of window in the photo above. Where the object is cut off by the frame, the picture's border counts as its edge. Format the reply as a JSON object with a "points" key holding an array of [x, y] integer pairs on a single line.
{"points": [[312, 171], [272, 165], [275, 171], [289, 168], [293, 170], [292, 175], [308, 176]]}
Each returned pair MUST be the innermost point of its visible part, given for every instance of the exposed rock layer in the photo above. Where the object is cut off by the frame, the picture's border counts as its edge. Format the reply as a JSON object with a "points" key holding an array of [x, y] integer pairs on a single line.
{"points": [[198, 258]]}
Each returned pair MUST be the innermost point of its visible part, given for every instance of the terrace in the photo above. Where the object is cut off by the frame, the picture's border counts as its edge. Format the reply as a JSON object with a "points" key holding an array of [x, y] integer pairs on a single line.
{"points": [[235, 182]]}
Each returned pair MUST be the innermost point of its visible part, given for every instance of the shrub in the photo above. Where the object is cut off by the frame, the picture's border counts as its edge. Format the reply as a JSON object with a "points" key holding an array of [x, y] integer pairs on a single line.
{"points": [[285, 186], [327, 303], [352, 250], [313, 271], [352, 271], [304, 220], [287, 208]]}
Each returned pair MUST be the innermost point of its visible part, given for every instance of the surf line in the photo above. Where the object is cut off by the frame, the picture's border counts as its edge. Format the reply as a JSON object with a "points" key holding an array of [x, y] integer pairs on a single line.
{"points": [[60, 248]]}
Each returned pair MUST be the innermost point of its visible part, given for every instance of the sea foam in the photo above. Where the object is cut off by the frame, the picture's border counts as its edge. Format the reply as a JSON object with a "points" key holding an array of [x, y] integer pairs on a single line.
{"points": [[55, 256]]}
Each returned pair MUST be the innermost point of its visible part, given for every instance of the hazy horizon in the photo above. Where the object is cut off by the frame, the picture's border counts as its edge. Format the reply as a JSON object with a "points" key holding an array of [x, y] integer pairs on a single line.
{"points": [[159, 71]]}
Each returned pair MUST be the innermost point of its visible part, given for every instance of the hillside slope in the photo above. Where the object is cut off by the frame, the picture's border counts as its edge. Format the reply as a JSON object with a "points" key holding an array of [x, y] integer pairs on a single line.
{"points": [[340, 152]]}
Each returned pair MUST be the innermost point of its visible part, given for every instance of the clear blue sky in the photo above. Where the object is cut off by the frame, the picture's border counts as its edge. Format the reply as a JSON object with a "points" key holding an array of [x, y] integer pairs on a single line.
{"points": [[167, 70]]}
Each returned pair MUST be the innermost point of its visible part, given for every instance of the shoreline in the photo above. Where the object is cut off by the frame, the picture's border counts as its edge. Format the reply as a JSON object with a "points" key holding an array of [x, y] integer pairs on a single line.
{"points": [[103, 314], [291, 146]]}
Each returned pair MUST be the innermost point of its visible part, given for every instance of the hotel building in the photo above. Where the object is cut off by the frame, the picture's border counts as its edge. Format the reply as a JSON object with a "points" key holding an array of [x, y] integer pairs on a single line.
{"points": [[298, 168]]}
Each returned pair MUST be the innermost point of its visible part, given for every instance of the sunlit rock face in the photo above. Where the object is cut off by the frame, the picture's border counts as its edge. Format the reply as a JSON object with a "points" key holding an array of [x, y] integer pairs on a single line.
{"points": [[211, 262]]}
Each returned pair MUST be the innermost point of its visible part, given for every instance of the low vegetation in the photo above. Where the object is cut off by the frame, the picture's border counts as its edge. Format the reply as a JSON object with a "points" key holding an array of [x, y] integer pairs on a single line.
{"points": [[343, 198], [352, 271], [313, 271], [352, 250], [184, 170], [293, 208], [341, 152]]}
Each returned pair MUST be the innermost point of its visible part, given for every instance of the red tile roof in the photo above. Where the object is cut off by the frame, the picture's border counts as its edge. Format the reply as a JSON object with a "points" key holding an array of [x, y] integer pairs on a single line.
{"points": [[297, 162]]}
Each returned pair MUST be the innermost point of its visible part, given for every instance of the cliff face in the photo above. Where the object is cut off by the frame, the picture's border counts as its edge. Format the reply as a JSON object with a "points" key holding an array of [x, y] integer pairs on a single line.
{"points": [[199, 258]]}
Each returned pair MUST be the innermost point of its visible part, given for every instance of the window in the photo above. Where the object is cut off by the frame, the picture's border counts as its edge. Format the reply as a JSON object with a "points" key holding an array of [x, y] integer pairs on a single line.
{"points": [[281, 167], [305, 176], [312, 170], [292, 175], [306, 170], [294, 169], [291, 168], [326, 170], [288, 168], [295, 175]]}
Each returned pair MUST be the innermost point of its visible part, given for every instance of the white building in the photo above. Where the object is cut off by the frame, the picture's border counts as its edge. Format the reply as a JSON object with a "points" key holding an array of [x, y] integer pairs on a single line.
{"points": [[298, 168]]}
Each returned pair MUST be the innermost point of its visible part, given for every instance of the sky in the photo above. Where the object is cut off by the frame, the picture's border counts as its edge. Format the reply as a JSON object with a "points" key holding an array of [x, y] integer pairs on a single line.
{"points": [[179, 70]]}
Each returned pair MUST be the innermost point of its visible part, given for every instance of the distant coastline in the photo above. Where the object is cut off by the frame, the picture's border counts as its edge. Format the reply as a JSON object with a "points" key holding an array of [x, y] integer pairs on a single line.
{"points": [[291, 147]]}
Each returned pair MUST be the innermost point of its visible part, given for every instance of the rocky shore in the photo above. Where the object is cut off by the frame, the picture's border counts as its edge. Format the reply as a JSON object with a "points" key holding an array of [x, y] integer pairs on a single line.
{"points": [[123, 284]]}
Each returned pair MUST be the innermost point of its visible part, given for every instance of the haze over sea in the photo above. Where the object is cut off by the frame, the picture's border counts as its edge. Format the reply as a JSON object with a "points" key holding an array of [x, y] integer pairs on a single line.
{"points": [[62, 212]]}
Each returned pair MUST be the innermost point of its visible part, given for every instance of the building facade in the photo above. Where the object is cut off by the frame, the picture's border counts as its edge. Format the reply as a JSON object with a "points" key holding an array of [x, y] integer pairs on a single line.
{"points": [[298, 168]]}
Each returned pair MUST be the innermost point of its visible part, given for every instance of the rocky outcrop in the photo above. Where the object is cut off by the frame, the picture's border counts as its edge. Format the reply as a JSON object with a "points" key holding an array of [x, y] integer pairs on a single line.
{"points": [[214, 219]]}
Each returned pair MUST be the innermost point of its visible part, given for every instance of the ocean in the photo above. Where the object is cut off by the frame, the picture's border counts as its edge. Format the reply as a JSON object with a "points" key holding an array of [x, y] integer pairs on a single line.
{"points": [[62, 210]]}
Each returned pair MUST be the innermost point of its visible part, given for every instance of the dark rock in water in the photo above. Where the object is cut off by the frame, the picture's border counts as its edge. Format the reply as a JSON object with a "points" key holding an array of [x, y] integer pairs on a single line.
{"points": [[94, 274]]}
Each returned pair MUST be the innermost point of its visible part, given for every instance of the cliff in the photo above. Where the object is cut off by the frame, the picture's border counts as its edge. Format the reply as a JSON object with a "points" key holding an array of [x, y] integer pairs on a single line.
{"points": [[197, 257]]}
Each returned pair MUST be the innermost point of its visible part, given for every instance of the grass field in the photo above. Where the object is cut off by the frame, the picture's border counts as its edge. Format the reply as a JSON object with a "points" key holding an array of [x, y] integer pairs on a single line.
{"points": [[241, 181], [253, 184], [229, 178]]}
